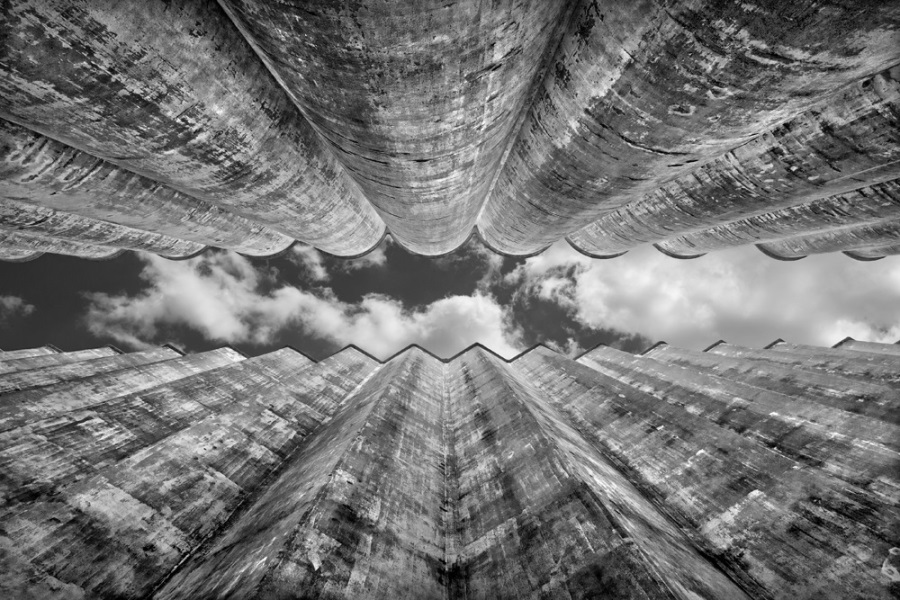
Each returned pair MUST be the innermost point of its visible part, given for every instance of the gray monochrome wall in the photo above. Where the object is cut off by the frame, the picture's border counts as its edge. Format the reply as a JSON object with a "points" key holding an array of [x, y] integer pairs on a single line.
{"points": [[694, 125], [727, 474]]}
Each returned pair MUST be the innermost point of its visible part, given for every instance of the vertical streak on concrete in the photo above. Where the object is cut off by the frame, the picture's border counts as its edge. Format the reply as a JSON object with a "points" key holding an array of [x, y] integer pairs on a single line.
{"points": [[29, 244], [642, 92], [21, 217], [418, 99], [782, 528], [849, 239], [834, 148], [47, 173], [866, 206], [173, 92]]}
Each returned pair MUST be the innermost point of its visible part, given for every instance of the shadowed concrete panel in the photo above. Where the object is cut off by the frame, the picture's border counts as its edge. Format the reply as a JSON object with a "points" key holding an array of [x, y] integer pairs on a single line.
{"points": [[173, 92], [21, 242], [49, 223], [418, 99], [84, 368], [875, 237], [865, 206], [36, 362], [781, 528], [42, 171], [851, 141], [639, 93]]}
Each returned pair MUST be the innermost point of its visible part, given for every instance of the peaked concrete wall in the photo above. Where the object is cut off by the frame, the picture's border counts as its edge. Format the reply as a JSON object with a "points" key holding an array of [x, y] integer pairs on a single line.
{"points": [[731, 473]]}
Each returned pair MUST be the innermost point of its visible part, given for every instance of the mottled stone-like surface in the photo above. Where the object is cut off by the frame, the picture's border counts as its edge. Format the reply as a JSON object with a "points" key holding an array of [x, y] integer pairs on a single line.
{"points": [[731, 473], [694, 125]]}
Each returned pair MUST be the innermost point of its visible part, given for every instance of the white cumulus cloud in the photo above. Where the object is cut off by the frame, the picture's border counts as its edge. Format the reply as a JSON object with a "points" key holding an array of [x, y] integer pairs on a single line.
{"points": [[13, 307], [221, 296]]}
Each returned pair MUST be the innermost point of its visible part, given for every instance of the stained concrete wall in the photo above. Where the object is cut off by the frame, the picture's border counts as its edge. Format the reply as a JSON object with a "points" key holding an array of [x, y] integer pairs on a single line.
{"points": [[245, 125], [725, 474]]}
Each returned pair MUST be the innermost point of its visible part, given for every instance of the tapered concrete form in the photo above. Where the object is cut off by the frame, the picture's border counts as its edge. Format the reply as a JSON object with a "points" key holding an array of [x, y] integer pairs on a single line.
{"points": [[174, 93], [641, 94], [694, 125], [50, 174], [732, 473], [419, 99], [834, 148]]}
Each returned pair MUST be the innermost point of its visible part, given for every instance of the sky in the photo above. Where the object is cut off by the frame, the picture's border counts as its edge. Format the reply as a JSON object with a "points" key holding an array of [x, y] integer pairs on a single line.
{"points": [[389, 299]]}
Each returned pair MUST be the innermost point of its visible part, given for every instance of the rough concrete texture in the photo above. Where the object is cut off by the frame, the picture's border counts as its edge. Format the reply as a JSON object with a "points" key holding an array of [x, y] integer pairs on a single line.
{"points": [[242, 124], [173, 92], [21, 244], [732, 473], [47, 173]]}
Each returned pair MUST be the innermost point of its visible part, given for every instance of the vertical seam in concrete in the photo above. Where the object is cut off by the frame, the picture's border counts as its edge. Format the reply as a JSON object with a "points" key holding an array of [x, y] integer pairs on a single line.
{"points": [[539, 78]]}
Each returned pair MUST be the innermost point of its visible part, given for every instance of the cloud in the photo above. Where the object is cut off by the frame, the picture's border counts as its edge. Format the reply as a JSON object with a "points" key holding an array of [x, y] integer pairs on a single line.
{"points": [[221, 296], [12, 307], [311, 261], [738, 295]]}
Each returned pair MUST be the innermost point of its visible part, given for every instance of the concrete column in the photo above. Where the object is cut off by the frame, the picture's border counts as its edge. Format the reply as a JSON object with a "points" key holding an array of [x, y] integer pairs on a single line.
{"points": [[20, 243], [21, 217], [173, 92], [418, 99], [779, 527], [356, 507], [865, 206], [849, 142], [150, 475], [7, 355], [873, 238], [640, 93], [47, 173]]}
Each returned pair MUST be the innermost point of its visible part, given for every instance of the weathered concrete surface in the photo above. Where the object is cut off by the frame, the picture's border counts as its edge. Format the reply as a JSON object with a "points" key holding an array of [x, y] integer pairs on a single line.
{"points": [[833, 148], [871, 398], [875, 253], [44, 360], [8, 254], [780, 527], [419, 99], [21, 217], [640, 93], [851, 344], [6, 355], [48, 375], [24, 244], [213, 476], [864, 365], [874, 237], [870, 205], [41, 171], [173, 92]]}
